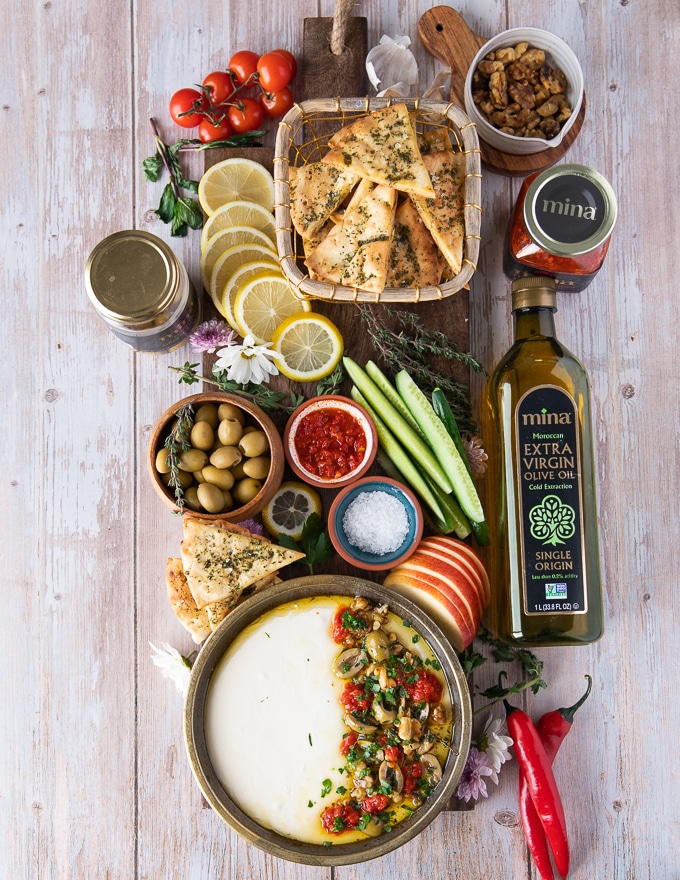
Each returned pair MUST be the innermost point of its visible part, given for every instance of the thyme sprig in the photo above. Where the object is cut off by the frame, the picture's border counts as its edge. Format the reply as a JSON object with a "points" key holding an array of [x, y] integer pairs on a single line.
{"points": [[532, 669], [178, 441], [403, 342], [266, 398]]}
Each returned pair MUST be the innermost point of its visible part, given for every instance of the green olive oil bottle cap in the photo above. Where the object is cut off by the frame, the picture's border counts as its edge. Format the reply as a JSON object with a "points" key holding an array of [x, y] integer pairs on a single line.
{"points": [[533, 292]]}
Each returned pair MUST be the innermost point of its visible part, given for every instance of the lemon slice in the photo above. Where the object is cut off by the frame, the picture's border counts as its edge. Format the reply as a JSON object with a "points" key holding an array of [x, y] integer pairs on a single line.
{"points": [[234, 180], [263, 302], [289, 509], [239, 213], [237, 279], [226, 238], [308, 347], [230, 260]]}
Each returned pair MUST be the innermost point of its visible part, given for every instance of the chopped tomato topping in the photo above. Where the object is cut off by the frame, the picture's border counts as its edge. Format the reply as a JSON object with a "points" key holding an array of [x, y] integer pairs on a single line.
{"points": [[340, 632], [348, 741], [375, 803], [340, 817], [426, 688], [354, 698], [412, 774], [394, 754]]}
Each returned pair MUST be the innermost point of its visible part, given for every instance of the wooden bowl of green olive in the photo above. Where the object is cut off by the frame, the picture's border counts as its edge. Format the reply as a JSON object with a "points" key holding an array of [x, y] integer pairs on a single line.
{"points": [[217, 455]]}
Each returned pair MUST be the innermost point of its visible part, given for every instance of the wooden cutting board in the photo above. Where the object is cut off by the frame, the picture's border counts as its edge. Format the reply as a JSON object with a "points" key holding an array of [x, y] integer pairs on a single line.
{"points": [[446, 35]]}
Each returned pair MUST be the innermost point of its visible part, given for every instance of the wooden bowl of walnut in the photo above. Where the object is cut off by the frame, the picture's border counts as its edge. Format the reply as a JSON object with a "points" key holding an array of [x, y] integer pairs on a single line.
{"points": [[524, 90], [232, 464]]}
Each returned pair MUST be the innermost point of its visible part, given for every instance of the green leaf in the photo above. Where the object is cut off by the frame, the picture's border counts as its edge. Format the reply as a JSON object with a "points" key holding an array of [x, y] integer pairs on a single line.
{"points": [[314, 542], [153, 165], [166, 208], [190, 212]]}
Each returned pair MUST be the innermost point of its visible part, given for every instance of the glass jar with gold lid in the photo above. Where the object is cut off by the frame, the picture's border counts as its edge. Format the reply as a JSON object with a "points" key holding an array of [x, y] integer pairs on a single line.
{"points": [[142, 291]]}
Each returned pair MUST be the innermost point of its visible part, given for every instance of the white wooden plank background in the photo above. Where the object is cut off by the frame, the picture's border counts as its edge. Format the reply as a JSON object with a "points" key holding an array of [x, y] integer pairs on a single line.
{"points": [[94, 782]]}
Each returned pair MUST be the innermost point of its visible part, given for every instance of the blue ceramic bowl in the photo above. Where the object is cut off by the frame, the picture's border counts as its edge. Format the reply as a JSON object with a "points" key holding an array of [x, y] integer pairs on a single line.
{"points": [[362, 558]]}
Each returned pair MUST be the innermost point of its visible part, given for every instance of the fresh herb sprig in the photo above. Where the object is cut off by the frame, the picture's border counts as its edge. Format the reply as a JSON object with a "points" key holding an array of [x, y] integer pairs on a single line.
{"points": [[182, 211], [532, 668], [178, 441], [266, 398], [314, 542], [331, 384], [403, 342]]}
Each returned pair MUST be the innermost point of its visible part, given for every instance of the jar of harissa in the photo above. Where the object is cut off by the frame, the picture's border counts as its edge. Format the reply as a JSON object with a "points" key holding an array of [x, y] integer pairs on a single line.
{"points": [[561, 226]]}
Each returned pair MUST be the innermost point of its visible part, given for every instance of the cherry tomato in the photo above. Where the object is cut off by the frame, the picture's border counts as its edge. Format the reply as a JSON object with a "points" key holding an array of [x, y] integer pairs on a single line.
{"points": [[275, 71], [219, 86], [291, 58], [209, 130], [183, 103], [412, 774], [243, 64], [247, 117], [275, 104]]}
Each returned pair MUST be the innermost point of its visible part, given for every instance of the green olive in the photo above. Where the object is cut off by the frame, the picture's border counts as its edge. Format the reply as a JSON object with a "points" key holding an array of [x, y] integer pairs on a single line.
{"points": [[230, 411], [229, 432], [192, 459], [202, 436], [237, 471], [257, 467], [245, 490], [184, 479], [198, 476], [225, 457], [253, 444], [377, 645], [162, 465], [249, 429], [191, 498], [228, 500], [220, 477], [207, 413], [210, 498]]}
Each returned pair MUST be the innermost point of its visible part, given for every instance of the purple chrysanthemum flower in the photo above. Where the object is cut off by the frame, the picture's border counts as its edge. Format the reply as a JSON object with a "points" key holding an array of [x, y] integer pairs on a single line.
{"points": [[476, 455], [211, 335], [253, 526], [472, 782]]}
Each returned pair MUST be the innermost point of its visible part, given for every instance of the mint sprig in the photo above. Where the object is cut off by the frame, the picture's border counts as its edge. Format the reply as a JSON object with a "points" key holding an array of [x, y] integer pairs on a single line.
{"points": [[314, 542]]}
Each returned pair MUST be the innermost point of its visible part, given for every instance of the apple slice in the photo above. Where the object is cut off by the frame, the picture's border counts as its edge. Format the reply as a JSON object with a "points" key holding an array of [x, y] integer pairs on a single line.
{"points": [[467, 556], [458, 564], [447, 610]]}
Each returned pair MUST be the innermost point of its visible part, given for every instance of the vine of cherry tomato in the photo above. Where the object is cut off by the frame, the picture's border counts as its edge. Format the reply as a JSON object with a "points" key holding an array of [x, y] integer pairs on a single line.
{"points": [[219, 107]]}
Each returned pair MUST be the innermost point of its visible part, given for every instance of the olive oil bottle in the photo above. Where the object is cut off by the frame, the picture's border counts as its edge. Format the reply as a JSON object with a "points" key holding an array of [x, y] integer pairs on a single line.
{"points": [[544, 554]]}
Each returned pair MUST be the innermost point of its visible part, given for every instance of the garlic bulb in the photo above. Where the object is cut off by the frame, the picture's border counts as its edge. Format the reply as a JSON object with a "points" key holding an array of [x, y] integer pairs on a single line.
{"points": [[392, 62]]}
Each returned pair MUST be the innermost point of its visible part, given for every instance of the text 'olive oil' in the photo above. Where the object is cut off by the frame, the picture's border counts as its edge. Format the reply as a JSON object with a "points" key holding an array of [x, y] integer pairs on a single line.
{"points": [[544, 552]]}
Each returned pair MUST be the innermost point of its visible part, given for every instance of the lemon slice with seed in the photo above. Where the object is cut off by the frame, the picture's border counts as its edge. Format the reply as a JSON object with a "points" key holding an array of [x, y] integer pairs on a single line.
{"points": [[308, 347], [234, 180], [289, 509], [226, 238], [237, 279], [230, 260], [239, 213], [263, 302]]}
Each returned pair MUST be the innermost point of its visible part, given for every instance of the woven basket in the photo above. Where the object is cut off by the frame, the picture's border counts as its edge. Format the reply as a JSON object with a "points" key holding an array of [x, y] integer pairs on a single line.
{"points": [[303, 136]]}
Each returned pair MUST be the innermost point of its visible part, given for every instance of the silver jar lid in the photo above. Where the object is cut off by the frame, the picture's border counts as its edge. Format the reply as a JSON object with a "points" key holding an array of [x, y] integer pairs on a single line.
{"points": [[570, 210]]}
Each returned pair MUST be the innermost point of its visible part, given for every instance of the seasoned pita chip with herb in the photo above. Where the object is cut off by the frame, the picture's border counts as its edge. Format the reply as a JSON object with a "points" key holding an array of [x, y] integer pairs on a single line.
{"points": [[414, 257], [382, 147]]}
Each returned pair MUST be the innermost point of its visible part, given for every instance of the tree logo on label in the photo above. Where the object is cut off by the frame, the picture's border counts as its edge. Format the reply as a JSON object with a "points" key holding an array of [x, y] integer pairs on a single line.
{"points": [[552, 521]]}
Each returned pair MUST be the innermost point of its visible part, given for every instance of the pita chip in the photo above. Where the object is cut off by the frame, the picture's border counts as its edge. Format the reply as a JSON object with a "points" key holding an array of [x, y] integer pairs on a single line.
{"points": [[192, 618], [316, 191], [382, 147], [414, 257], [443, 214]]}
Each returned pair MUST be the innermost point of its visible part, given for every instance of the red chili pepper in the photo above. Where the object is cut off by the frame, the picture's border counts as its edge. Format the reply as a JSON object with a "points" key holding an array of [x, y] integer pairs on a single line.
{"points": [[552, 728], [535, 766]]}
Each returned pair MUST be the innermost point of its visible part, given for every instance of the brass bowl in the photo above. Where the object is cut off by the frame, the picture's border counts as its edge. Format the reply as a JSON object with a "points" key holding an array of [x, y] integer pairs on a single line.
{"points": [[276, 844], [254, 416]]}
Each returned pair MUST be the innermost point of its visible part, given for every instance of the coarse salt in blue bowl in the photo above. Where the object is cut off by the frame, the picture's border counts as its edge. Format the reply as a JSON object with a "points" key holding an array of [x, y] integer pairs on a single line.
{"points": [[375, 523]]}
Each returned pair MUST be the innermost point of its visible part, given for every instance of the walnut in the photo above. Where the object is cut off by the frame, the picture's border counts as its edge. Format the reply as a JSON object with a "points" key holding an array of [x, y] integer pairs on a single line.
{"points": [[519, 71], [520, 49], [506, 55], [533, 58], [498, 87], [523, 94], [549, 127], [549, 108], [486, 68]]}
